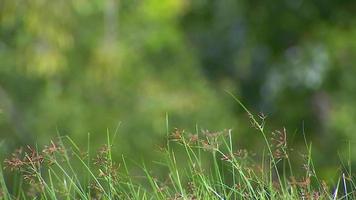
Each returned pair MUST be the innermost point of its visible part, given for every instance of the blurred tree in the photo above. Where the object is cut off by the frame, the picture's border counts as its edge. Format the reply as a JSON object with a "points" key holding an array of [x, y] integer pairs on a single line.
{"points": [[82, 66], [85, 66], [288, 59]]}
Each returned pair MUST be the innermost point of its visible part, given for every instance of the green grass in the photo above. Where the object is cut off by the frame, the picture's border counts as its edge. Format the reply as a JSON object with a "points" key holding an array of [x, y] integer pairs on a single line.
{"points": [[62, 170]]}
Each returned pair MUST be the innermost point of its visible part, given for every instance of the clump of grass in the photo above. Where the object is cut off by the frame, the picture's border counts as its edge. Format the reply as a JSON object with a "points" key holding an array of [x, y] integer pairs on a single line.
{"points": [[61, 170]]}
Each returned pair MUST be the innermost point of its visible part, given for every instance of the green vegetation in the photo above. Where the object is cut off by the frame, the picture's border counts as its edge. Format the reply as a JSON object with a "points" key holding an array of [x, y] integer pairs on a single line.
{"points": [[50, 173], [81, 68]]}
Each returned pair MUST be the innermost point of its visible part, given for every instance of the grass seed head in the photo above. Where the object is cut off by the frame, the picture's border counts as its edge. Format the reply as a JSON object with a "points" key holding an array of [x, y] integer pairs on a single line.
{"points": [[53, 148], [176, 135], [279, 143]]}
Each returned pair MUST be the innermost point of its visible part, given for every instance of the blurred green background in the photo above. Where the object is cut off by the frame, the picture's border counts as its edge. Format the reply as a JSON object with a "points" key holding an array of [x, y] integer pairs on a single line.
{"points": [[73, 67]]}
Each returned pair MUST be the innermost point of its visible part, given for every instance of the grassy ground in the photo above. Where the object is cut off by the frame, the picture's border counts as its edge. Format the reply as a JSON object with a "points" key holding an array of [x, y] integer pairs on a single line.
{"points": [[63, 171]]}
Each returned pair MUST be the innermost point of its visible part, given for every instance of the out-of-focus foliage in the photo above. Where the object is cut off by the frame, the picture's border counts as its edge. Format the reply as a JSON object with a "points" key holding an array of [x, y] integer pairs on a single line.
{"points": [[82, 67], [75, 67]]}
